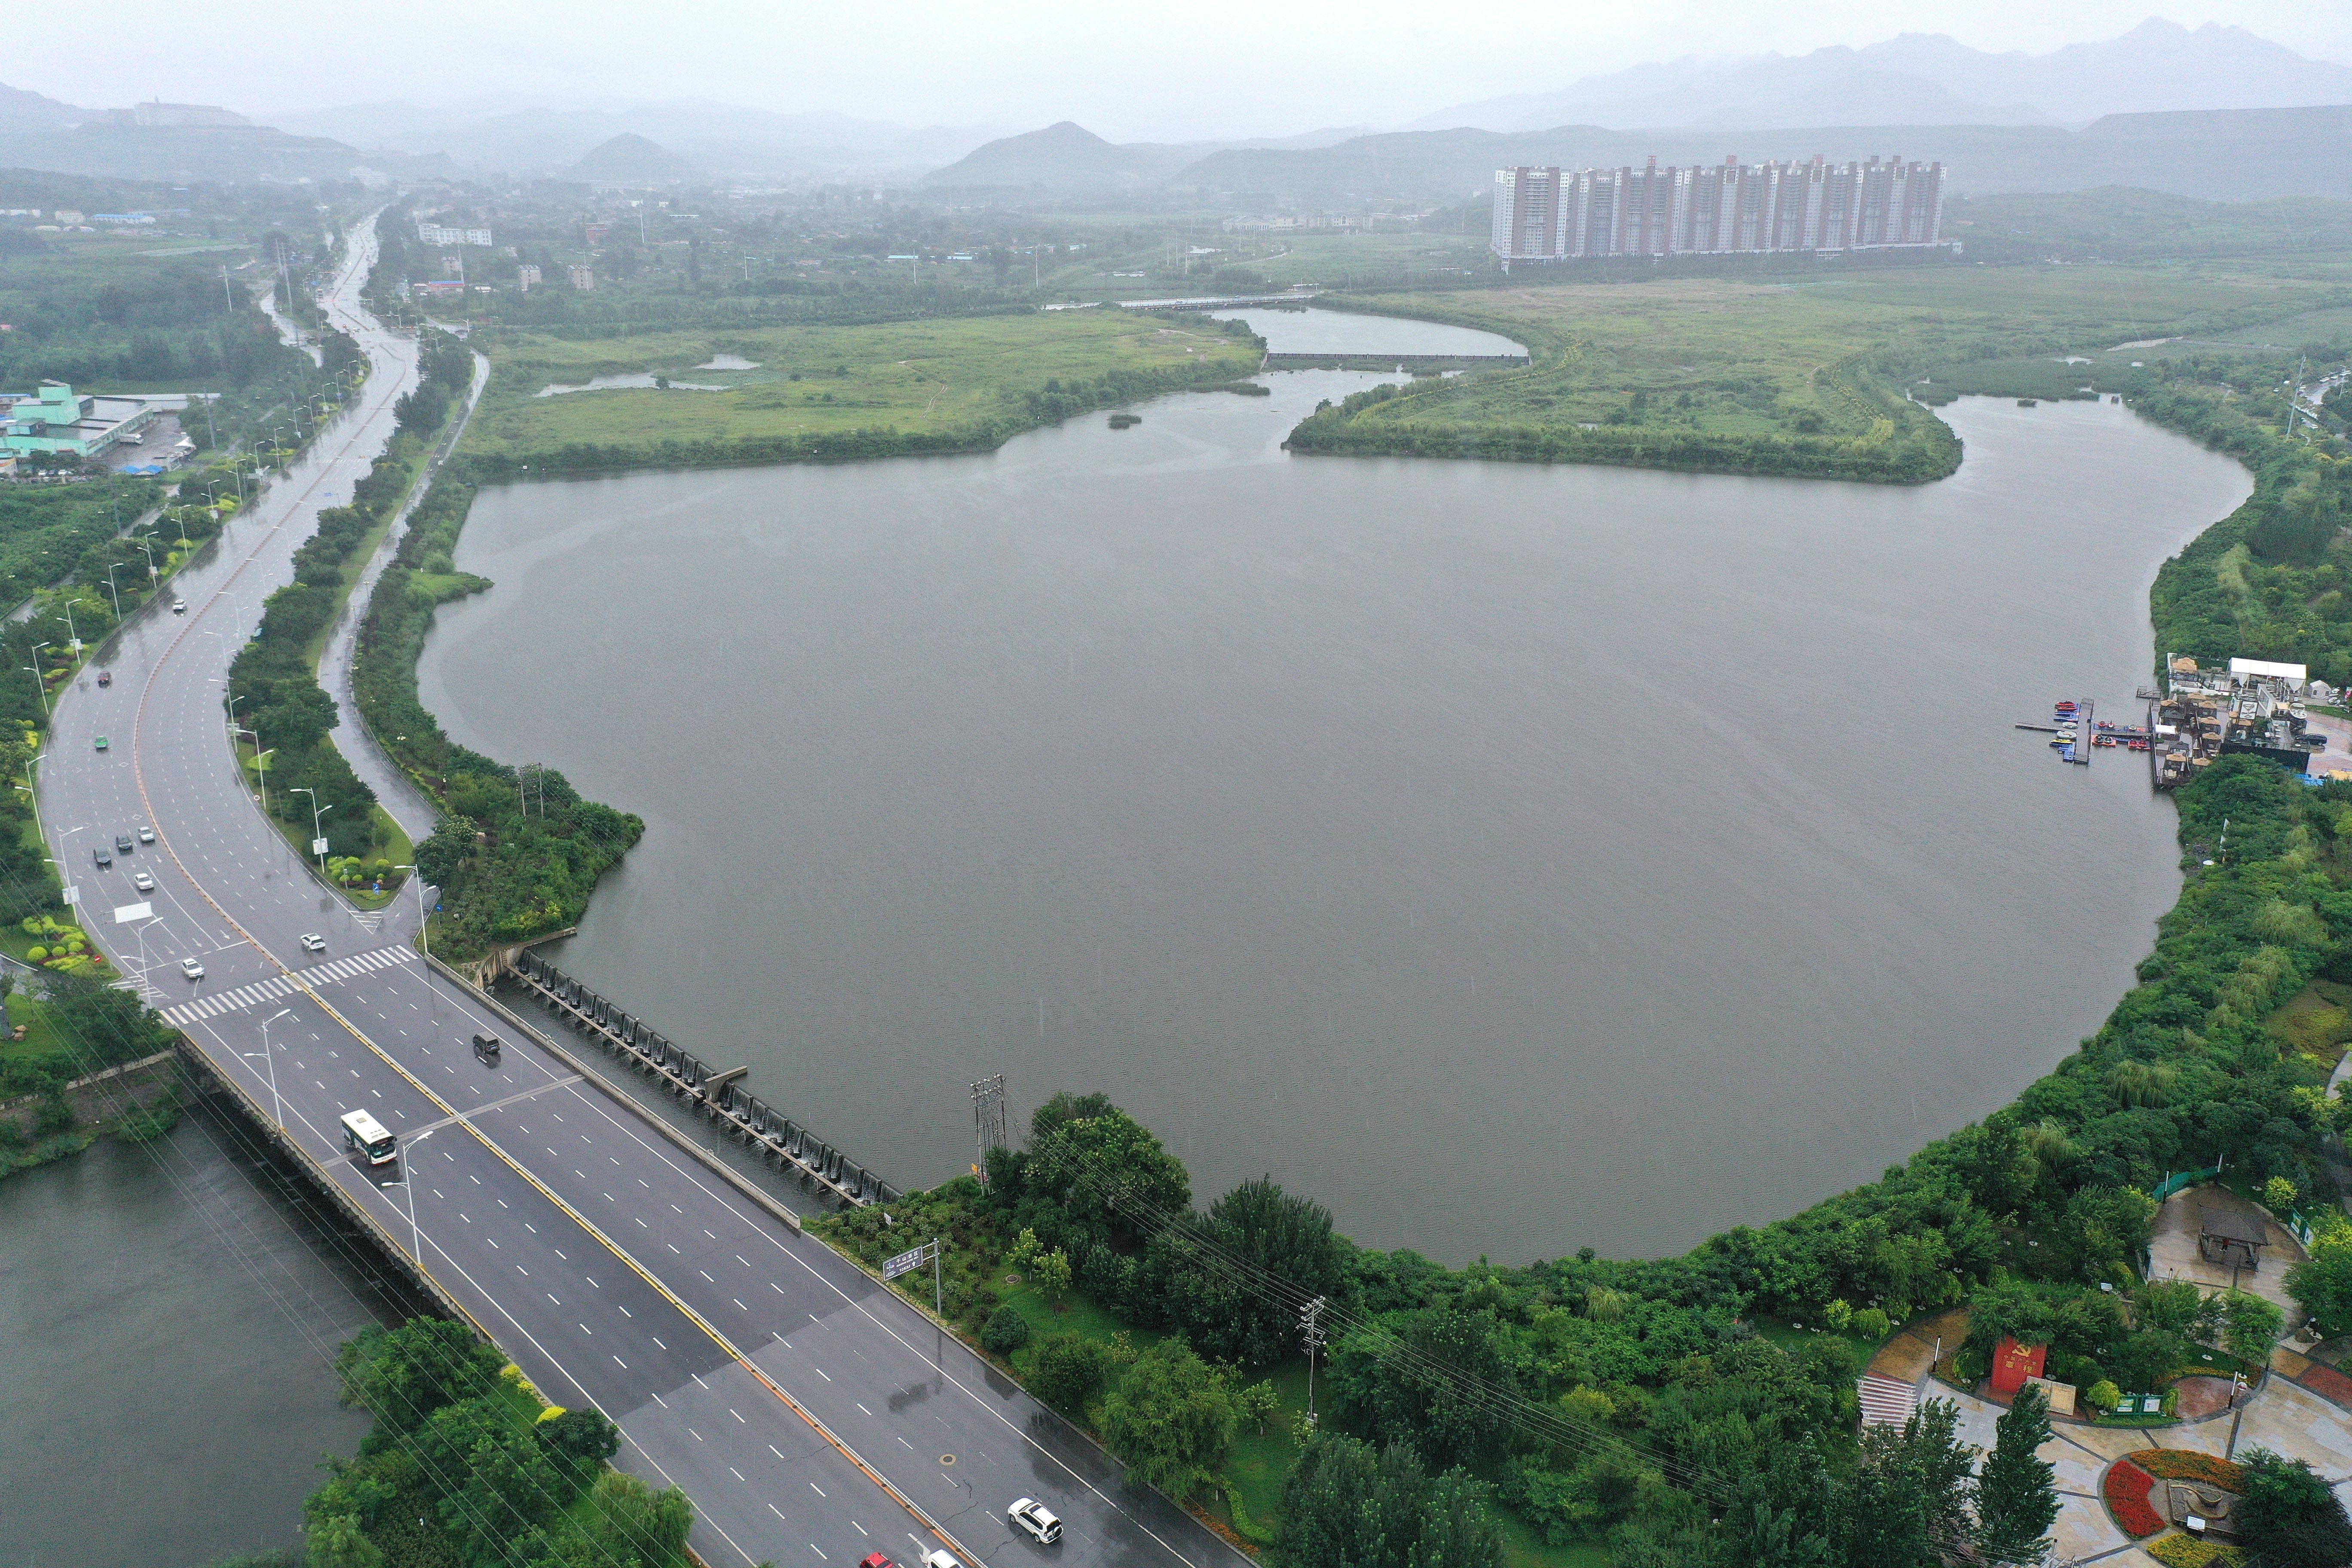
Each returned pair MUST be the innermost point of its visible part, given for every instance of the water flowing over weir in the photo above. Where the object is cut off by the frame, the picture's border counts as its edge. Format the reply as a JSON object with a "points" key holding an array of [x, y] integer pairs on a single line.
{"points": [[720, 1095]]}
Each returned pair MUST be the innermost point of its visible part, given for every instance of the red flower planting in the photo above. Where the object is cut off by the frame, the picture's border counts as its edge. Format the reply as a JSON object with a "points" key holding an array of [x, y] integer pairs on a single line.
{"points": [[2127, 1487]]}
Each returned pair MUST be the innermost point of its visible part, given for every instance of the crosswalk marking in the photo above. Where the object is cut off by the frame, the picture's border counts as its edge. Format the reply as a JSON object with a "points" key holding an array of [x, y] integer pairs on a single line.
{"points": [[329, 973]]}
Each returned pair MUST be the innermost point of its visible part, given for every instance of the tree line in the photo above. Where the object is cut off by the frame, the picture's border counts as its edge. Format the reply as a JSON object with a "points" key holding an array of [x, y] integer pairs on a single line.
{"points": [[1634, 1400]]}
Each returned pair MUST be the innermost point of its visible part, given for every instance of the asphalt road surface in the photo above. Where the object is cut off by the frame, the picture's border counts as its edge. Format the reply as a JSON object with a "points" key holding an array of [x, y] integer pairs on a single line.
{"points": [[812, 1415]]}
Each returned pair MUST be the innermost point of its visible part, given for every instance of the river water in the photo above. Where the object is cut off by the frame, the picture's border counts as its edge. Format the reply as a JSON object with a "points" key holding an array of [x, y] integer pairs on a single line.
{"points": [[170, 1318], [1516, 858]]}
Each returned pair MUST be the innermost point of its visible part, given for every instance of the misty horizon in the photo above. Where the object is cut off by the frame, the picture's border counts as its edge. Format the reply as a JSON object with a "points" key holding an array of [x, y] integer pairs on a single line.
{"points": [[1218, 79]]}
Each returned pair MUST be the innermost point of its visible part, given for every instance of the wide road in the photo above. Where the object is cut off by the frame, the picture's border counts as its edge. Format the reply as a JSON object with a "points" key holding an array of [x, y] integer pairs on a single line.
{"points": [[812, 1415]]}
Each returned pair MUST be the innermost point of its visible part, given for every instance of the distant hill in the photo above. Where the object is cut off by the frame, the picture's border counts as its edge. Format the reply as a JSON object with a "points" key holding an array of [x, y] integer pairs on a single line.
{"points": [[2217, 155], [2157, 65], [23, 111], [1062, 157], [630, 159], [520, 137], [1871, 98], [231, 154]]}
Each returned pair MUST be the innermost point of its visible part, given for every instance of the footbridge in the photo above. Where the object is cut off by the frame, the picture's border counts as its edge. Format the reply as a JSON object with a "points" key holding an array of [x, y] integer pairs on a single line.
{"points": [[1423, 363]]}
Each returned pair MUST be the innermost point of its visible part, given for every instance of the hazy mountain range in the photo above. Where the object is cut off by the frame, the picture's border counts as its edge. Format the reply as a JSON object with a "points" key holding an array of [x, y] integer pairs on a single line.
{"points": [[2008, 121], [1923, 78]]}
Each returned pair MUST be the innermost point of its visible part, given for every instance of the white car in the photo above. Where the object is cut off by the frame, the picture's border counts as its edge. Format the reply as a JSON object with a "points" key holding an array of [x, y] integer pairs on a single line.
{"points": [[192, 969], [938, 1558], [312, 942], [146, 833], [179, 607], [1036, 1519], [142, 881]]}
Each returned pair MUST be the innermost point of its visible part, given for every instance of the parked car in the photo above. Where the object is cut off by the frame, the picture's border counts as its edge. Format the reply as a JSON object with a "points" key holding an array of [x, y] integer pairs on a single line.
{"points": [[179, 607], [192, 969], [146, 833], [313, 943], [103, 855], [1036, 1519], [142, 881]]}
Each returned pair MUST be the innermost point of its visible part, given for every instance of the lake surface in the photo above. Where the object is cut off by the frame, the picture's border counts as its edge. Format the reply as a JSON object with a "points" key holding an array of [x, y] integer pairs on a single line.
{"points": [[1516, 858], [171, 1320]]}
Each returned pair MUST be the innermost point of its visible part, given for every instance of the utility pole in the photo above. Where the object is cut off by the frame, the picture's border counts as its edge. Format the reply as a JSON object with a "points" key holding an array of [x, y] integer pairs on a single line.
{"points": [[987, 1122], [1310, 1321]]}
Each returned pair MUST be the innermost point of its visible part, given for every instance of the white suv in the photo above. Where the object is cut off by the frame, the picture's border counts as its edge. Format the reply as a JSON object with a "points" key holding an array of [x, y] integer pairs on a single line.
{"points": [[1036, 1519]]}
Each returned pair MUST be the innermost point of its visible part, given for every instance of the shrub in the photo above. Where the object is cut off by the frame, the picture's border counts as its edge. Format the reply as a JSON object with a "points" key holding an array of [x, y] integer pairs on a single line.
{"points": [[2103, 1396], [1007, 1330], [1871, 1324], [2188, 1552], [1067, 1373], [2188, 1465], [2126, 1487]]}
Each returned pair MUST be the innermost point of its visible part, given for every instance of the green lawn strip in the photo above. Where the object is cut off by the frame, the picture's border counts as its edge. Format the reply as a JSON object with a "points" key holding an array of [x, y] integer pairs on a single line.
{"points": [[391, 842], [876, 390]]}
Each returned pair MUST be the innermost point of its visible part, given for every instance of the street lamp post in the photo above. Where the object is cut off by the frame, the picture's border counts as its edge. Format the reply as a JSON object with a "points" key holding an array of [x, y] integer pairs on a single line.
{"points": [[113, 592], [73, 638], [260, 765], [424, 935], [40, 681], [143, 549], [270, 1058], [415, 1246], [318, 834]]}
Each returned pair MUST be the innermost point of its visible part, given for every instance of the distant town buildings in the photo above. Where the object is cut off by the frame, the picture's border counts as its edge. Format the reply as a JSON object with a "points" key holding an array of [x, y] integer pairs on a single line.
{"points": [[434, 234], [1546, 214], [584, 278], [526, 274]]}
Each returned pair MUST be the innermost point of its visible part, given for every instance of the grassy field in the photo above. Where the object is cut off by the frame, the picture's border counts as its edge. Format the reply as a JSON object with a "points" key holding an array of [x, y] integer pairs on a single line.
{"points": [[966, 381], [1803, 375], [1339, 258]]}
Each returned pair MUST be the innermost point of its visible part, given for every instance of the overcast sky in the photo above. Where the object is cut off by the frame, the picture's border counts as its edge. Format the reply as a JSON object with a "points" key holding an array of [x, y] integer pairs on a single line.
{"points": [[1219, 68]]}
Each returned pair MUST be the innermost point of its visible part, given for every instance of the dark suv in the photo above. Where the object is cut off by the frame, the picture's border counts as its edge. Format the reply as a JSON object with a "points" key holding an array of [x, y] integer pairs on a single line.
{"points": [[103, 855], [122, 843]]}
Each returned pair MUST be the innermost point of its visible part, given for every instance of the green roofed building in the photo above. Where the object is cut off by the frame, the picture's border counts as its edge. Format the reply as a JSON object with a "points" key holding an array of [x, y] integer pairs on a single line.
{"points": [[56, 419]]}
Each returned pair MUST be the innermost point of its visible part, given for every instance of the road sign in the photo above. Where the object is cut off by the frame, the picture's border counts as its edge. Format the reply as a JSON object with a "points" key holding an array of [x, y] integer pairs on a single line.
{"points": [[317, 847], [907, 1262], [73, 895], [125, 913]]}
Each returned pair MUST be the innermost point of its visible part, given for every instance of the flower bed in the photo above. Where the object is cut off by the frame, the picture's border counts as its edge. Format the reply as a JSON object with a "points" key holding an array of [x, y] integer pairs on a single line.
{"points": [[2188, 1465], [2126, 1487], [2188, 1552]]}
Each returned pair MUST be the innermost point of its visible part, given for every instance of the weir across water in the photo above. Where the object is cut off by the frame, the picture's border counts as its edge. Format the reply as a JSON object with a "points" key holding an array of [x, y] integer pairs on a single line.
{"points": [[720, 1095]]}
